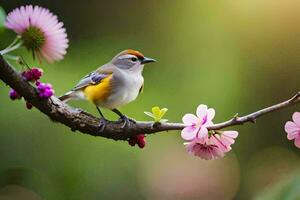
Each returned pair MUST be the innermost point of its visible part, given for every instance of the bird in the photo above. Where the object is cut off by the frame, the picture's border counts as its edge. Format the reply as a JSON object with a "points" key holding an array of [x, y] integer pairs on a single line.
{"points": [[112, 85]]}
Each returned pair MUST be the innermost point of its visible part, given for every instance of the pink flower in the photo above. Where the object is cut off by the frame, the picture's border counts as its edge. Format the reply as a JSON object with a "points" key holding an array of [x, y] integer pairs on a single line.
{"points": [[212, 147], [196, 125], [225, 139], [293, 129], [205, 148], [40, 31]]}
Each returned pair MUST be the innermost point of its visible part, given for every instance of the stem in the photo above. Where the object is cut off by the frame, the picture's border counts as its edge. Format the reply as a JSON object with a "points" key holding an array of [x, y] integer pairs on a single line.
{"points": [[9, 49], [11, 57], [253, 116], [23, 62], [18, 59], [17, 38]]}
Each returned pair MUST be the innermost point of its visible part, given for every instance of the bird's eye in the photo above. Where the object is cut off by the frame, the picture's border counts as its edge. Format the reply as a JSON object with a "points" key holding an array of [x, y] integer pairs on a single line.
{"points": [[133, 59]]}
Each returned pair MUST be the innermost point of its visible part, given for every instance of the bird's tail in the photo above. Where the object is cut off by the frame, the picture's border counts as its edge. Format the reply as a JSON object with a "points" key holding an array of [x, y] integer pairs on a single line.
{"points": [[68, 96]]}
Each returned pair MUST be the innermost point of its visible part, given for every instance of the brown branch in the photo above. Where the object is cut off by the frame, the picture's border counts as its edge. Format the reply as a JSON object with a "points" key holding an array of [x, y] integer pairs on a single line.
{"points": [[84, 122], [253, 116]]}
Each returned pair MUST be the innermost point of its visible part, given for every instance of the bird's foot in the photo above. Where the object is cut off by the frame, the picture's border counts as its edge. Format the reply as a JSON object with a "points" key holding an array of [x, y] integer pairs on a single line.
{"points": [[126, 121], [102, 124]]}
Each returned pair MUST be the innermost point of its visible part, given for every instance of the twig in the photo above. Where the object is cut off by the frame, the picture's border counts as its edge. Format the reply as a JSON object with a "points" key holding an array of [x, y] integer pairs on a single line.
{"points": [[253, 116], [84, 122]]}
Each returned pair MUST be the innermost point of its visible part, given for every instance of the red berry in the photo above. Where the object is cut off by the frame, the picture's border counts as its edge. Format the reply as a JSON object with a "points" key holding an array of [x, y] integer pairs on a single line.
{"points": [[132, 141], [140, 140], [28, 105]]}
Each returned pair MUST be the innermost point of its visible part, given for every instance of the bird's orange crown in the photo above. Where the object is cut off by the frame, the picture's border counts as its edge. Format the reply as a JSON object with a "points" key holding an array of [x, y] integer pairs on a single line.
{"points": [[135, 53]]}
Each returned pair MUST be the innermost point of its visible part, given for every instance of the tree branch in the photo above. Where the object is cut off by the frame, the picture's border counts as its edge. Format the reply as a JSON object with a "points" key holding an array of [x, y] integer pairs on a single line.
{"points": [[253, 116], [84, 122]]}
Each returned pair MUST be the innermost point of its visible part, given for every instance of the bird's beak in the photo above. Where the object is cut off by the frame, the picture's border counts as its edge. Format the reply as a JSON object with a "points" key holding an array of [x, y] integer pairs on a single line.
{"points": [[147, 60]]}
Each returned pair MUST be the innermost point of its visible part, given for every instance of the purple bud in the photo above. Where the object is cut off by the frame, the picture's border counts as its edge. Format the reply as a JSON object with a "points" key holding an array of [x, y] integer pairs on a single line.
{"points": [[37, 83], [45, 90], [48, 86], [36, 73], [33, 74], [27, 75], [49, 93], [14, 95]]}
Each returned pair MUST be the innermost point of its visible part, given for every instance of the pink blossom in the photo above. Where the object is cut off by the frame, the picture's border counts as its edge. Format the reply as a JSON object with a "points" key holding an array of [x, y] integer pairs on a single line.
{"points": [[196, 126], [212, 147], [205, 148], [293, 129], [40, 31], [225, 139]]}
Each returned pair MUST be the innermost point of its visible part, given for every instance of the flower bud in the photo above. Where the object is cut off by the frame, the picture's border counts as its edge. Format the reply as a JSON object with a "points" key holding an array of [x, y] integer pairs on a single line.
{"points": [[14, 95], [140, 140], [28, 105]]}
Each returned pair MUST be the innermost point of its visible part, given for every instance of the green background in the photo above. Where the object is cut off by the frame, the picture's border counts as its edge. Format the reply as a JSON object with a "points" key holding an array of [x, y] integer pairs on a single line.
{"points": [[234, 56]]}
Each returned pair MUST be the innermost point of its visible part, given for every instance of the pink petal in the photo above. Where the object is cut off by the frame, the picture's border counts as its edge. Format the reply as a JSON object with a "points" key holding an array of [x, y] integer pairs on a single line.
{"points": [[232, 134], [190, 119], [292, 129], [210, 114], [204, 148], [297, 142], [218, 153], [203, 132], [296, 118], [201, 111], [206, 155], [227, 140], [208, 123], [215, 139], [291, 136], [189, 133]]}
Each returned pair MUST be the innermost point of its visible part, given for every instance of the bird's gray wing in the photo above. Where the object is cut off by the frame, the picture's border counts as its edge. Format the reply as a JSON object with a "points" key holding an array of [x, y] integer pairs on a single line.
{"points": [[93, 78]]}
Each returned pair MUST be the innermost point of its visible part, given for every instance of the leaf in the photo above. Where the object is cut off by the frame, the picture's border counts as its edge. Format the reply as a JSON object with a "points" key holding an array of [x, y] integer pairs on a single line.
{"points": [[163, 111], [2, 18], [156, 111], [163, 120], [149, 114], [157, 114]]}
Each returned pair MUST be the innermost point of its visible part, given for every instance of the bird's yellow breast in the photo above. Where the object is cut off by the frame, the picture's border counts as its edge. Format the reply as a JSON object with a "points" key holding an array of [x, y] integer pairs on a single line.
{"points": [[100, 91]]}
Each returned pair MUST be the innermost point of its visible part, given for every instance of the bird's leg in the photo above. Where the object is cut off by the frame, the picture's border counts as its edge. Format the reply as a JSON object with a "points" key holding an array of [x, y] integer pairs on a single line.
{"points": [[124, 118], [103, 121]]}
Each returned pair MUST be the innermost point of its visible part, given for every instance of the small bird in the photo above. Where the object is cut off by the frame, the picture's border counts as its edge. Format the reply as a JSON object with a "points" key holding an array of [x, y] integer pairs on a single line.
{"points": [[112, 85]]}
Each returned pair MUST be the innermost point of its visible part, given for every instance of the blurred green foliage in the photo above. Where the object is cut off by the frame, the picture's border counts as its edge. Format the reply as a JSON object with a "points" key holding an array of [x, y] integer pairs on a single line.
{"points": [[234, 56], [2, 18], [284, 190]]}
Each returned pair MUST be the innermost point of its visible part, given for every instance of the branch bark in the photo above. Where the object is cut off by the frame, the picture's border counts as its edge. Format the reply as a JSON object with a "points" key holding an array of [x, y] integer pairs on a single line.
{"points": [[77, 119]]}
